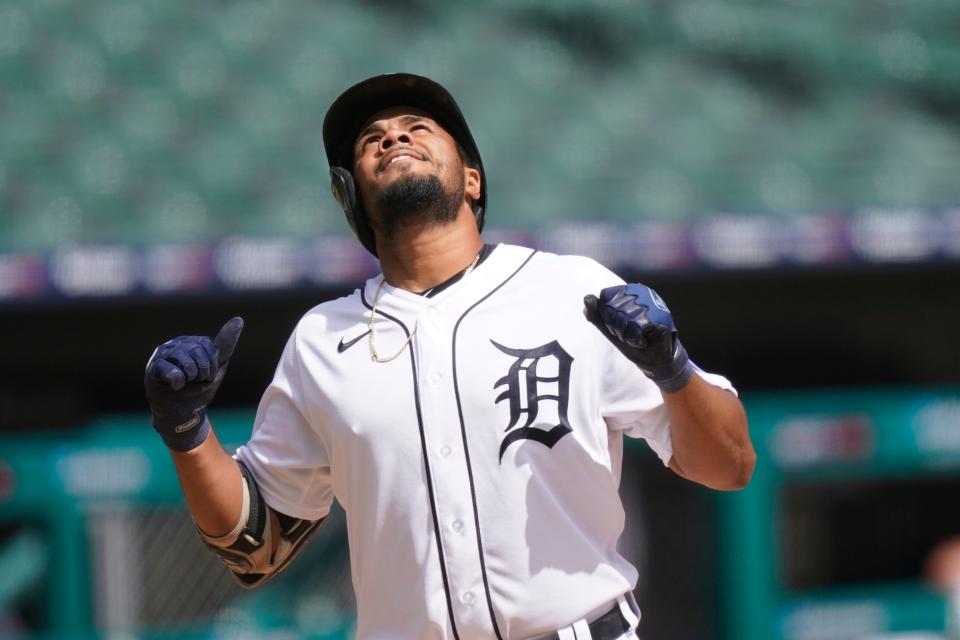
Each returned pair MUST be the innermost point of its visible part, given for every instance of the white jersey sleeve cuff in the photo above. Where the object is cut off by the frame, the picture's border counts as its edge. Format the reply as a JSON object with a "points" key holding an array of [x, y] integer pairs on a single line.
{"points": [[304, 510], [716, 380]]}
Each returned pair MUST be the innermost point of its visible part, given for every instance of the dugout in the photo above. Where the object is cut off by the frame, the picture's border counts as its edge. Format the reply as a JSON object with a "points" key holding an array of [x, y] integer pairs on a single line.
{"points": [[852, 491]]}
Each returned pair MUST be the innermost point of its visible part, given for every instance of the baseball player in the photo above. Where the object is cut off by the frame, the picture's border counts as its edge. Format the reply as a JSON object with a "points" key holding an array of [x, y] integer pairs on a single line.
{"points": [[466, 407]]}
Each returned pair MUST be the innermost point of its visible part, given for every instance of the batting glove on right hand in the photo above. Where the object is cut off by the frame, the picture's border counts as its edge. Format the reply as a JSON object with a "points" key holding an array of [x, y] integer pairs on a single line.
{"points": [[638, 323], [181, 379]]}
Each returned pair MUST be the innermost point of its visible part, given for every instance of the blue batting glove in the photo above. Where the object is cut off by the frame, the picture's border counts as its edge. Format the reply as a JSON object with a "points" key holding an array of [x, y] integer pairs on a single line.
{"points": [[181, 379], [638, 323]]}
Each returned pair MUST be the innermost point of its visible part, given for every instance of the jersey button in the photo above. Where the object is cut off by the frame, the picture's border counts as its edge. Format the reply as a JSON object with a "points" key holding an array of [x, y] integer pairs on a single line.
{"points": [[457, 525], [435, 377], [445, 451], [467, 597]]}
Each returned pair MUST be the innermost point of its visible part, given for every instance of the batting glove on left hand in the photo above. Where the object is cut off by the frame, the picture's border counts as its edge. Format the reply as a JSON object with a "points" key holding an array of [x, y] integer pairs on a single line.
{"points": [[638, 323]]}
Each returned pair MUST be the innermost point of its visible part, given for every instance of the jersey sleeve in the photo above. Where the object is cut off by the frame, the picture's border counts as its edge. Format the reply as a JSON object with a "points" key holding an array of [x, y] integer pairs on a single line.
{"points": [[633, 405], [286, 453]]}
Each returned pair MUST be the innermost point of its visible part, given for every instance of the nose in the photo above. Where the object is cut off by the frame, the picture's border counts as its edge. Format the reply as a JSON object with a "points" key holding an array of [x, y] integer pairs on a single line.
{"points": [[392, 136]]}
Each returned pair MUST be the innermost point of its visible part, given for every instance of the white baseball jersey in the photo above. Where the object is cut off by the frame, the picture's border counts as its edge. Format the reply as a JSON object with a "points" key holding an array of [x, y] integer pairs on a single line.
{"points": [[478, 470]]}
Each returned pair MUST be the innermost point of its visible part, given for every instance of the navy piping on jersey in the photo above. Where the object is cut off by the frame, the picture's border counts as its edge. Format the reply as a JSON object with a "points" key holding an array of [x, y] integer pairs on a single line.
{"points": [[463, 433], [426, 467]]}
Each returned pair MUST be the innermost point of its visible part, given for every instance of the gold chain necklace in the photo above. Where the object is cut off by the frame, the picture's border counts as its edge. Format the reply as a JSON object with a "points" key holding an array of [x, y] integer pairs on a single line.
{"points": [[373, 314]]}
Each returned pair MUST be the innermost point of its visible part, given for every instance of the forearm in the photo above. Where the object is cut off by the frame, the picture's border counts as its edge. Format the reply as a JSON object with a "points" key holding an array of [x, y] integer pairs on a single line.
{"points": [[212, 486], [711, 442]]}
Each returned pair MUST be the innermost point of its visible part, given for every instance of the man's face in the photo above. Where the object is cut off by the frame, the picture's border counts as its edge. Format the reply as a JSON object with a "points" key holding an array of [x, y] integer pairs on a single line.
{"points": [[408, 170]]}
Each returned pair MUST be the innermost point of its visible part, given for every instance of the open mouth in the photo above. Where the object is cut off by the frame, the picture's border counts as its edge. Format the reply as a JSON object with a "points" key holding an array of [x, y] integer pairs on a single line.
{"points": [[398, 156]]}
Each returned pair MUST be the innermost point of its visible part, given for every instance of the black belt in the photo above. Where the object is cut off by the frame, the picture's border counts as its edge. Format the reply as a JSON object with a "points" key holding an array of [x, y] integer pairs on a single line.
{"points": [[608, 626]]}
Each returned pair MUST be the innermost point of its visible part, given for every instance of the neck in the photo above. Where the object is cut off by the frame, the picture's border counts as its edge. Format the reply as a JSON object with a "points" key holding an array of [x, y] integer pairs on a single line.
{"points": [[419, 259]]}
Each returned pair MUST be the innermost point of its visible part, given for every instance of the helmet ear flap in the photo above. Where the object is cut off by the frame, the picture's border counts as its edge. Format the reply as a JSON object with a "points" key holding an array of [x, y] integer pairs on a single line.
{"points": [[345, 193]]}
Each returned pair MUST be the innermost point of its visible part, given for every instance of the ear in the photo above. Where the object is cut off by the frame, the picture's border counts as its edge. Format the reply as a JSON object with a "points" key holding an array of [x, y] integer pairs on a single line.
{"points": [[471, 182]]}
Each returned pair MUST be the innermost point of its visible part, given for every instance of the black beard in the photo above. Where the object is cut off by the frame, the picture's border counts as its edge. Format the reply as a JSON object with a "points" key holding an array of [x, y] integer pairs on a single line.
{"points": [[417, 201]]}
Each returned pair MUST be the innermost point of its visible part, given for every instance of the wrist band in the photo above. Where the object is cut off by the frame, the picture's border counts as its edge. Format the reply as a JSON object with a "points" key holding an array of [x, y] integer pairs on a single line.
{"points": [[189, 435]]}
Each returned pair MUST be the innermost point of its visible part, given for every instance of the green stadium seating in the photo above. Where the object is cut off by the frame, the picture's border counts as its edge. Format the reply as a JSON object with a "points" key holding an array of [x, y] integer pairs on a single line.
{"points": [[138, 121]]}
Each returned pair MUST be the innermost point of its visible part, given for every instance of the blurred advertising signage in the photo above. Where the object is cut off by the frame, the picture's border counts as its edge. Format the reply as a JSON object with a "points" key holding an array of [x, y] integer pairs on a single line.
{"points": [[337, 260], [645, 245], [729, 241], [803, 441], [8, 481], [252, 263], [103, 472], [718, 241], [169, 268], [896, 235], [21, 276], [936, 428], [94, 271], [836, 621]]}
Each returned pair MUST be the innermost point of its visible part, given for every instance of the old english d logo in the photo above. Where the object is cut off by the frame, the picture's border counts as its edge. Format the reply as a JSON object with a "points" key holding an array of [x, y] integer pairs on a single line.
{"points": [[524, 395]]}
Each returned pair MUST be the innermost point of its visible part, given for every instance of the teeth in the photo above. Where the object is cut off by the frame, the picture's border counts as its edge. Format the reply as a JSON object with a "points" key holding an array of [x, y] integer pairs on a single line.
{"points": [[400, 157]]}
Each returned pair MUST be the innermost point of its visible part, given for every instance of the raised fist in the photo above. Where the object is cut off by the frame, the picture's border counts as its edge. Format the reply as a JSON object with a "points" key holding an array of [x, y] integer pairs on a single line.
{"points": [[638, 322]]}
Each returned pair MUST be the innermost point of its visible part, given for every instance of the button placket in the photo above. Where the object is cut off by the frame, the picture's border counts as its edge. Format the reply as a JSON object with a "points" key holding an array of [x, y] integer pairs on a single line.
{"points": [[453, 497]]}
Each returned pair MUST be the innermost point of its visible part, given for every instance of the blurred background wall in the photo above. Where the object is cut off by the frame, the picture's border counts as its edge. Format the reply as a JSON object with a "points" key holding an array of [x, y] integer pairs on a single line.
{"points": [[785, 173]]}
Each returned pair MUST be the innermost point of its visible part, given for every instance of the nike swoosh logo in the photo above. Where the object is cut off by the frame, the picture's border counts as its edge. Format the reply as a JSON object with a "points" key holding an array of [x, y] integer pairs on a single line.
{"points": [[343, 346]]}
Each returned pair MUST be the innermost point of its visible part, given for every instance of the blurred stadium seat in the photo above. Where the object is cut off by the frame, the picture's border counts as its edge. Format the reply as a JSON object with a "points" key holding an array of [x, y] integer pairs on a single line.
{"points": [[209, 116]]}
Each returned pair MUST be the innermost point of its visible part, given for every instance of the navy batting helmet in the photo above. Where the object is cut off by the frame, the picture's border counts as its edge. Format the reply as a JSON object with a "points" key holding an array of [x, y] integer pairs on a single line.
{"points": [[352, 109]]}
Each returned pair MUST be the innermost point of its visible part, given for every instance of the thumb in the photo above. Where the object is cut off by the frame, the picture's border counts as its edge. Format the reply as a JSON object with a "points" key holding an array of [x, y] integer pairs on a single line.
{"points": [[591, 309], [227, 339], [590, 304]]}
